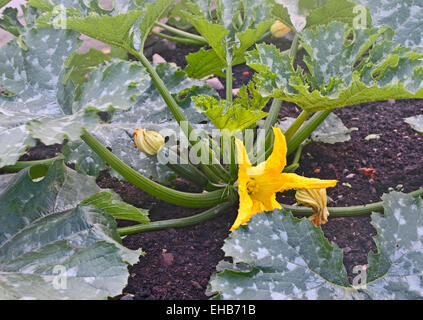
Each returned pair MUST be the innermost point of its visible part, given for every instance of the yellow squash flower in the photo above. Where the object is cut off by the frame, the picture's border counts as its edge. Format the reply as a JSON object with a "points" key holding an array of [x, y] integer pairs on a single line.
{"points": [[317, 200], [148, 142], [278, 29], [257, 186]]}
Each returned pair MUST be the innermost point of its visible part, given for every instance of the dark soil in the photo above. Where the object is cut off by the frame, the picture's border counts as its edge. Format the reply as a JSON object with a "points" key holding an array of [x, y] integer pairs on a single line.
{"points": [[179, 262]]}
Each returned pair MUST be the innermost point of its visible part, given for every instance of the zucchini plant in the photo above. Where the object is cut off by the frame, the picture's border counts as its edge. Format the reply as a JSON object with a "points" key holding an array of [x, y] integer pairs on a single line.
{"points": [[105, 104]]}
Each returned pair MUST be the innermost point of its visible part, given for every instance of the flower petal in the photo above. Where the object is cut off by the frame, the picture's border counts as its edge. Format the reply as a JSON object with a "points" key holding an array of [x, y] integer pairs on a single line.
{"points": [[295, 181], [277, 160], [245, 209], [242, 156]]}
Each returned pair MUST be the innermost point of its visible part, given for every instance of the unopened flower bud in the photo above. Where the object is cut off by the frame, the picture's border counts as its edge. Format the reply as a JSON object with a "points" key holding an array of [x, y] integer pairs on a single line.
{"points": [[278, 29], [148, 142], [315, 199]]}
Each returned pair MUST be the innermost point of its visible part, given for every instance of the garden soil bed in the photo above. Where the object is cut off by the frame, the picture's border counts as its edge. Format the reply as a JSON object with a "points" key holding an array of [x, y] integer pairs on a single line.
{"points": [[179, 262]]}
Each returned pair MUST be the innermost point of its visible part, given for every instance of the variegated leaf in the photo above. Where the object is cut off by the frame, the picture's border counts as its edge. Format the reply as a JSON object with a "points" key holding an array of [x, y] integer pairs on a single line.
{"points": [[340, 72], [46, 233], [277, 256]]}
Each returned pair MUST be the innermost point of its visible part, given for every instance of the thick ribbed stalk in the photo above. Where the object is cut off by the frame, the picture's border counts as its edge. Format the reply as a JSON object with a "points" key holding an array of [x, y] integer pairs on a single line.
{"points": [[294, 47], [190, 173], [18, 166], [186, 199], [346, 211], [199, 39], [176, 223], [305, 131], [293, 128], [272, 117]]}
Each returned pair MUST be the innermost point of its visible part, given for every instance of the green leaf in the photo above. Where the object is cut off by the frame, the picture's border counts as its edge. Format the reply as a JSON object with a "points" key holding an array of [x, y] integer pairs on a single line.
{"points": [[43, 104], [339, 72], [85, 7], [336, 10], [235, 28], [416, 122], [280, 257], [147, 111], [10, 22], [46, 232], [111, 30], [113, 85], [33, 75], [303, 14], [203, 63], [79, 65], [244, 111], [117, 208], [395, 271], [126, 29], [277, 256], [4, 2], [153, 13], [331, 130], [404, 17]]}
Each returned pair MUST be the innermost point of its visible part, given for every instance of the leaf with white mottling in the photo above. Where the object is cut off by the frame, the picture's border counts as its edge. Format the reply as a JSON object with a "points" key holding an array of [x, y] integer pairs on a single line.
{"points": [[114, 85], [416, 122], [44, 229], [277, 256], [14, 136], [300, 15], [44, 108], [148, 111], [34, 78], [395, 271], [33, 75], [280, 257], [331, 130], [340, 72], [404, 17]]}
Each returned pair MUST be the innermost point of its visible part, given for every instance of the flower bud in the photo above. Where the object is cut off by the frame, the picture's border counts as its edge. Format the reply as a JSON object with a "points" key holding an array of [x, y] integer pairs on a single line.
{"points": [[148, 142], [278, 29], [315, 199]]}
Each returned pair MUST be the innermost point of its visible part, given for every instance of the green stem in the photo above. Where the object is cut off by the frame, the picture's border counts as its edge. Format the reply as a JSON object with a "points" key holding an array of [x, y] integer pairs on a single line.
{"points": [[233, 166], [229, 83], [272, 117], [186, 199], [199, 39], [263, 37], [295, 162], [178, 39], [305, 131], [190, 173], [293, 128], [176, 223], [294, 47], [346, 211], [18, 166], [175, 109]]}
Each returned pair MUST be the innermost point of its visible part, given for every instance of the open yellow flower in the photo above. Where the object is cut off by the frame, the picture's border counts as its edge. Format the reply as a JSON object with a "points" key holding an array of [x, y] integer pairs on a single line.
{"points": [[257, 186]]}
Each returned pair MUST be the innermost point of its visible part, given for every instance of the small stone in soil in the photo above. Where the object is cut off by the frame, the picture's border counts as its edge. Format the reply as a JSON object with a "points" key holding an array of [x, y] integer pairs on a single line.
{"points": [[166, 259]]}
